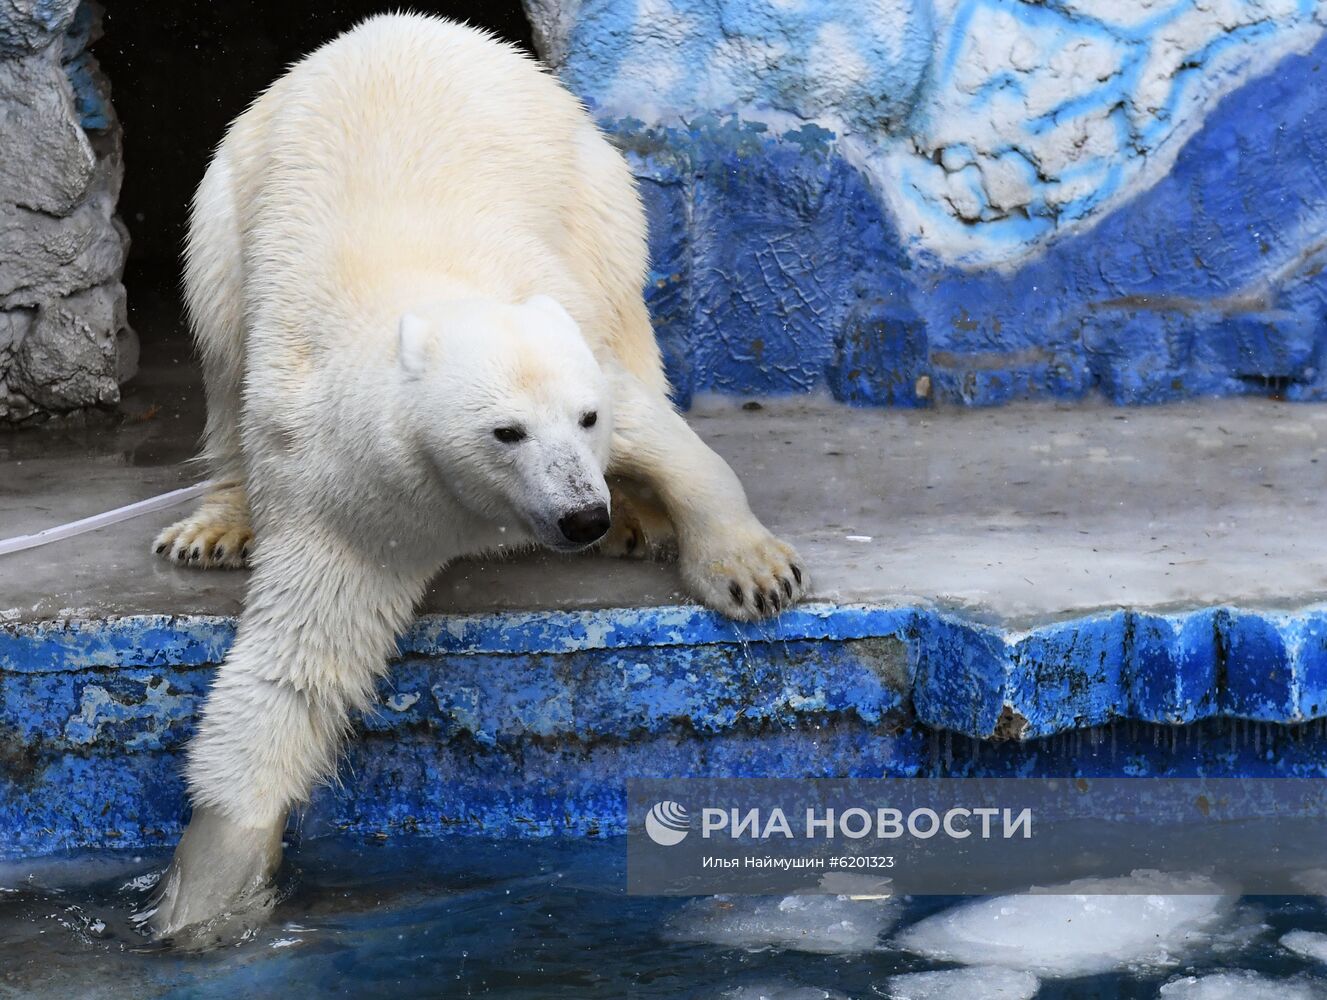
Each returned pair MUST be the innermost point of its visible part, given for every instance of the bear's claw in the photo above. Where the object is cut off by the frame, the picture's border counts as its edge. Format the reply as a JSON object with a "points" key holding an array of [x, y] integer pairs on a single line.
{"points": [[748, 574], [217, 535]]}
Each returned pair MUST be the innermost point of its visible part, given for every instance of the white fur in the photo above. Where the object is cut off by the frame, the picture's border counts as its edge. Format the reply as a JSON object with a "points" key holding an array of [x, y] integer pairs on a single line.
{"points": [[414, 238]]}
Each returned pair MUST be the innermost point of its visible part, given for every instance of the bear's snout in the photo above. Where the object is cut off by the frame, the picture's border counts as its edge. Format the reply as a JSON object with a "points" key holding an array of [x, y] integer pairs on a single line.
{"points": [[589, 524]]}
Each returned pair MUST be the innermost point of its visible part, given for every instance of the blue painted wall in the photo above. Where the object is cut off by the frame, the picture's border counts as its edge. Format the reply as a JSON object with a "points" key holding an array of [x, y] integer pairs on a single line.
{"points": [[527, 725], [976, 201]]}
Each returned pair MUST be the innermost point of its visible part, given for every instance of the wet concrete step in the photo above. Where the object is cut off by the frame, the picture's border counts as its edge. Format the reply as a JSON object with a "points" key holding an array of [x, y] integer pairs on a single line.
{"points": [[1017, 515]]}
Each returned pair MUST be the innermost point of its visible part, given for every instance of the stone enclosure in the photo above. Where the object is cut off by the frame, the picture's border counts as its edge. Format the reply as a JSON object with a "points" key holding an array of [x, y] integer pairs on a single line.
{"points": [[65, 344], [894, 202]]}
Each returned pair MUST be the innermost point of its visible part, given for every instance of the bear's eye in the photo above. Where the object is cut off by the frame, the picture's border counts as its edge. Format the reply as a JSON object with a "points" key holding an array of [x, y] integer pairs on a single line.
{"points": [[590, 419], [509, 435]]}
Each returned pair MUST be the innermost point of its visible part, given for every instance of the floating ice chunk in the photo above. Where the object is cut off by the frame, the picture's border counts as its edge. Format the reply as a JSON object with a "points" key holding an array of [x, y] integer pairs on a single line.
{"points": [[1310, 944], [831, 925], [1240, 986], [1082, 928], [986, 981], [779, 991]]}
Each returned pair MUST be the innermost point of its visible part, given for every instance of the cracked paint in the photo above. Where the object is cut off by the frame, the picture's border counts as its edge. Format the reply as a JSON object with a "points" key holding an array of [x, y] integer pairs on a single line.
{"points": [[1117, 199], [990, 126], [528, 725]]}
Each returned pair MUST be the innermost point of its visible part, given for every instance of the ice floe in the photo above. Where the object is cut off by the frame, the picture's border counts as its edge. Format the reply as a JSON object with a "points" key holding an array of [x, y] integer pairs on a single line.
{"points": [[779, 991], [1309, 944], [1240, 986], [987, 982], [1085, 927], [822, 924]]}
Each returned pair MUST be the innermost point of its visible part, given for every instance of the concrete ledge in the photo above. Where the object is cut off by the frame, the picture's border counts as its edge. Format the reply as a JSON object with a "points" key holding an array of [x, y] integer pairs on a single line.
{"points": [[521, 725], [1017, 516], [948, 673]]}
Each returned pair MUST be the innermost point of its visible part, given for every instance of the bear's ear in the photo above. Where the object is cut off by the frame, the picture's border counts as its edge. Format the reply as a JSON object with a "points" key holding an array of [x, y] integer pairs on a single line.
{"points": [[550, 305], [412, 344]]}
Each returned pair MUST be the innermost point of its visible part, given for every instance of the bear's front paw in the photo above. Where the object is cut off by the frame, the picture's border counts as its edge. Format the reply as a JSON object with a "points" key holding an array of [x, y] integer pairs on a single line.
{"points": [[746, 573], [217, 535], [217, 889]]}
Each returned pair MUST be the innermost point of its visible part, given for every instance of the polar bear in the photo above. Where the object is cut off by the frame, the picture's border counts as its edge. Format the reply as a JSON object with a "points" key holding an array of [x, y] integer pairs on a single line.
{"points": [[414, 273]]}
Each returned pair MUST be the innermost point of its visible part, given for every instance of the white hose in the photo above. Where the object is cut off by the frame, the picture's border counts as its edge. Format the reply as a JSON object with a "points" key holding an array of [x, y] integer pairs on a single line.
{"points": [[63, 531]]}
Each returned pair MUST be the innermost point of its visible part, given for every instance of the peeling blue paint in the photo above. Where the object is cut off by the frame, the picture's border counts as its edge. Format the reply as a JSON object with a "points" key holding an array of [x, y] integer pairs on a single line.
{"points": [[92, 97], [91, 90], [528, 724], [777, 268]]}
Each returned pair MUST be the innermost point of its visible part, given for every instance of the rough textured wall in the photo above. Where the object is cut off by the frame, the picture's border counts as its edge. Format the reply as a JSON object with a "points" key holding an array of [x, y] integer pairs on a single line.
{"points": [[64, 342], [976, 200]]}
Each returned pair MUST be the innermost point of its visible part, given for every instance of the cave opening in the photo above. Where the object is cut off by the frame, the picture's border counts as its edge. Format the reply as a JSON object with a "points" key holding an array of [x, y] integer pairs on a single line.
{"points": [[179, 75]]}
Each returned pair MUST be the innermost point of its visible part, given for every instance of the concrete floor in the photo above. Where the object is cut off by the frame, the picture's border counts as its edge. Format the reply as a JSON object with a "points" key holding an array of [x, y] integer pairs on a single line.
{"points": [[1021, 514]]}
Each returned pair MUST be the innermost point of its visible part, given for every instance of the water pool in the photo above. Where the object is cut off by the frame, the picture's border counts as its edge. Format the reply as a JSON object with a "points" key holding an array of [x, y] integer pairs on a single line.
{"points": [[551, 919]]}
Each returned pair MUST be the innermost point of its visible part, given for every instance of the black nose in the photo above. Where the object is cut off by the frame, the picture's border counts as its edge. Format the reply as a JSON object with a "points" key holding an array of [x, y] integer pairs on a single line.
{"points": [[585, 525]]}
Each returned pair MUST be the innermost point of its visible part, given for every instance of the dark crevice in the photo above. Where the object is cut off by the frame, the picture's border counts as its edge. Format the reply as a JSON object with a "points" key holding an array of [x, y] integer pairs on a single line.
{"points": [[180, 73]]}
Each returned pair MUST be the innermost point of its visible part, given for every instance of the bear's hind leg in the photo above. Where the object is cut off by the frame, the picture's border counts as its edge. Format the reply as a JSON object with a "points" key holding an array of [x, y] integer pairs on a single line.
{"points": [[641, 528], [217, 535]]}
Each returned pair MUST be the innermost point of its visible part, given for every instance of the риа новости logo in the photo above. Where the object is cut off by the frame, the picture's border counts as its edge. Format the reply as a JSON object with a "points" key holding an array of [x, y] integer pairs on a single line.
{"points": [[667, 823]]}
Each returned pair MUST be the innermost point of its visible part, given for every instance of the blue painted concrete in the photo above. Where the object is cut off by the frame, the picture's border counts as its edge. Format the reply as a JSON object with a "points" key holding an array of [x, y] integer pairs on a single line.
{"points": [[777, 269], [528, 725], [613, 41], [907, 203], [92, 92]]}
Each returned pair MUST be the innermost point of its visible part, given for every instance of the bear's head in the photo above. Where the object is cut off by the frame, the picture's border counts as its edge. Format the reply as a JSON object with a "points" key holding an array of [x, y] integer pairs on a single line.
{"points": [[513, 412]]}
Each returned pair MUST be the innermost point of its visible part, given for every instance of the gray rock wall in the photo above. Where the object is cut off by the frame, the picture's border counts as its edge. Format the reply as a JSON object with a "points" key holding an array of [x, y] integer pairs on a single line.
{"points": [[64, 341]]}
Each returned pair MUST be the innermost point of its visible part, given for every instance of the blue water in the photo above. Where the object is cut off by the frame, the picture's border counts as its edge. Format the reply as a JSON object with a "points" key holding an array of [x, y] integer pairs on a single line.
{"points": [[463, 917]]}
